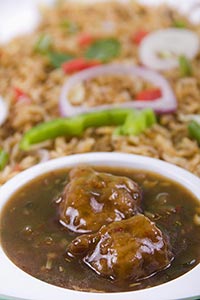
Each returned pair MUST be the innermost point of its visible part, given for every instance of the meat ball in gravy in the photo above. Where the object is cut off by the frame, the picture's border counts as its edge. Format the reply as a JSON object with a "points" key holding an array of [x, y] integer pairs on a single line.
{"points": [[131, 249], [92, 199]]}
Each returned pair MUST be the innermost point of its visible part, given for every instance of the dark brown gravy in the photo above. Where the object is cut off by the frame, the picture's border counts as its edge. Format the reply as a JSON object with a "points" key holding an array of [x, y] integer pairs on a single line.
{"points": [[35, 241]]}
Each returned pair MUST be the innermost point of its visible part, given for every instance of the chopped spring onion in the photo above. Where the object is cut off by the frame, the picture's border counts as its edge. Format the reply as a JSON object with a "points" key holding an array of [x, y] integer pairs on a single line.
{"points": [[43, 44], [69, 26], [3, 159], [185, 66], [104, 49], [194, 130]]}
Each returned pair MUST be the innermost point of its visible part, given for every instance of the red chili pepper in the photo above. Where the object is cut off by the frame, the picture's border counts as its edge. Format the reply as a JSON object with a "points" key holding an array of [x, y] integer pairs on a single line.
{"points": [[138, 36], [149, 95], [79, 64], [85, 39]]}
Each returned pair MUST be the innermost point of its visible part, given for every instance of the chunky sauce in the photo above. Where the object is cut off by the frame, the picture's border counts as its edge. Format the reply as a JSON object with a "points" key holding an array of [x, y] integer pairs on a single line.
{"points": [[36, 242]]}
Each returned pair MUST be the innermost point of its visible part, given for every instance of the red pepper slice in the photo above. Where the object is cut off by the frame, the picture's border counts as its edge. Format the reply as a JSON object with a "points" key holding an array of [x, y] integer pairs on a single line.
{"points": [[85, 39], [148, 95], [20, 95], [137, 37], [79, 64]]}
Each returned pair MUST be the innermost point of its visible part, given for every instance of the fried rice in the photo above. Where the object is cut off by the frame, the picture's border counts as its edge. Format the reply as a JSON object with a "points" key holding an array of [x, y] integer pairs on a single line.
{"points": [[22, 67]]}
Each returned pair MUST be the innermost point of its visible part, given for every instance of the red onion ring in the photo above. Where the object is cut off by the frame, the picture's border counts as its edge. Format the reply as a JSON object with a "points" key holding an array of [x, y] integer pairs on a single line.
{"points": [[166, 104], [3, 111]]}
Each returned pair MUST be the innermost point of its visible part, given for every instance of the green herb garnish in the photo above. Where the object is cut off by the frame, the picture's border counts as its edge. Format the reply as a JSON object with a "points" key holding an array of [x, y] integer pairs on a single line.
{"points": [[43, 44], [57, 59], [185, 66], [104, 50], [3, 159], [194, 130], [69, 26]]}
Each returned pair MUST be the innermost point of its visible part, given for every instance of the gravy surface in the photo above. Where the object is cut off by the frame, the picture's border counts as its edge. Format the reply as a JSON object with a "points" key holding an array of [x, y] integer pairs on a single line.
{"points": [[36, 242]]}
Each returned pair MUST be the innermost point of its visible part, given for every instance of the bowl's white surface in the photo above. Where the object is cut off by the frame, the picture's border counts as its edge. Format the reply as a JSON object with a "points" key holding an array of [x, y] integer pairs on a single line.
{"points": [[15, 282]]}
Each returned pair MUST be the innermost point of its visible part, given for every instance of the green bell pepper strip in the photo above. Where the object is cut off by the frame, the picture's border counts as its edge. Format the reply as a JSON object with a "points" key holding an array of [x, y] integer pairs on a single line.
{"points": [[194, 130], [136, 122], [150, 117], [75, 126], [3, 159], [105, 118]]}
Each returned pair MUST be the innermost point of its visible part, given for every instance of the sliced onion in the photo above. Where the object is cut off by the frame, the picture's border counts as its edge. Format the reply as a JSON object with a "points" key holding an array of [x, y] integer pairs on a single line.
{"points": [[161, 49], [3, 111], [167, 103], [188, 118], [43, 155]]}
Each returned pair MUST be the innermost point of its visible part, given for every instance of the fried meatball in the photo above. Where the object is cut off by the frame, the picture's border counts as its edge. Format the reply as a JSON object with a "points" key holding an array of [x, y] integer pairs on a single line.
{"points": [[92, 199], [131, 249]]}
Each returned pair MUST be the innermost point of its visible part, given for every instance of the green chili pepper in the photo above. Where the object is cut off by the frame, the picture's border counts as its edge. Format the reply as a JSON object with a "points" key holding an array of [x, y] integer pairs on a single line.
{"points": [[57, 59], [3, 159], [179, 24], [104, 49], [194, 130], [185, 66], [43, 44], [75, 126]]}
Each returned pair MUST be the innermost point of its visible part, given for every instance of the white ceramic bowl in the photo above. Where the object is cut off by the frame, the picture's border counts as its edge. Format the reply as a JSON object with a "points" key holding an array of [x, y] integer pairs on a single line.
{"points": [[15, 282]]}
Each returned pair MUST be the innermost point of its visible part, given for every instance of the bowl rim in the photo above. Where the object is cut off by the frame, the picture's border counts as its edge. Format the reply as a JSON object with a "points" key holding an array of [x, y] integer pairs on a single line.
{"points": [[184, 286]]}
